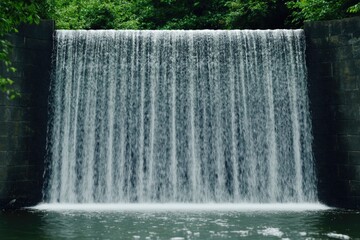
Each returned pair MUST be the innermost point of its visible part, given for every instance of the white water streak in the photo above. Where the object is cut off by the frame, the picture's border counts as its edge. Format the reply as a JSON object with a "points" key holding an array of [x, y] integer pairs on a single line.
{"points": [[180, 116]]}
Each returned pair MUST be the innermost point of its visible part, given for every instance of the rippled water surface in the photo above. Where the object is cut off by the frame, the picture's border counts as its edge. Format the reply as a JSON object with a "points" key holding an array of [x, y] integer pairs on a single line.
{"points": [[177, 224]]}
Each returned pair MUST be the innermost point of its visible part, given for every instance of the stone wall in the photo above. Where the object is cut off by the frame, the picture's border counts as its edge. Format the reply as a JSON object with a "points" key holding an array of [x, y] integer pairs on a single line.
{"points": [[333, 59], [23, 120]]}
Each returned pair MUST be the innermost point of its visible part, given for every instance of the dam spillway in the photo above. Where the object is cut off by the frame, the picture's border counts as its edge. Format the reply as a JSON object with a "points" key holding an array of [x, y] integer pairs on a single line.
{"points": [[179, 116]]}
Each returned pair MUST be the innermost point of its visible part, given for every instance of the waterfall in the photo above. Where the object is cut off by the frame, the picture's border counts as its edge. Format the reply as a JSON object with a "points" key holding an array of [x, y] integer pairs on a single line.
{"points": [[179, 116]]}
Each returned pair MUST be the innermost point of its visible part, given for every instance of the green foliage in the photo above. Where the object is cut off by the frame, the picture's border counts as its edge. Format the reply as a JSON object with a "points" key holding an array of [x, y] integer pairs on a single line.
{"points": [[180, 14], [6, 82], [314, 10], [139, 14], [256, 14], [355, 8], [194, 14], [12, 13], [93, 14]]}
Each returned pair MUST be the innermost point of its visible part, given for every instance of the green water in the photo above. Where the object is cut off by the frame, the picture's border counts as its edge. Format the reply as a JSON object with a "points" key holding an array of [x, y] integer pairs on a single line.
{"points": [[34, 224]]}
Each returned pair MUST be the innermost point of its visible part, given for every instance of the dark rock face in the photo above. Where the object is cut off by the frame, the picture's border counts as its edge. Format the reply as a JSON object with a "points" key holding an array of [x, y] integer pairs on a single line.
{"points": [[333, 60], [23, 121]]}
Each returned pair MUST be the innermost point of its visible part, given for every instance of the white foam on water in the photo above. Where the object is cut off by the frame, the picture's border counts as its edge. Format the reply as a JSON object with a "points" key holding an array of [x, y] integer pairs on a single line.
{"points": [[271, 232], [287, 207], [337, 236], [241, 233]]}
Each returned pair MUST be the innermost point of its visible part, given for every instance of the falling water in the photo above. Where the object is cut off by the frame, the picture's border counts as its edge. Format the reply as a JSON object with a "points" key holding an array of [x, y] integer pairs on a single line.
{"points": [[179, 116]]}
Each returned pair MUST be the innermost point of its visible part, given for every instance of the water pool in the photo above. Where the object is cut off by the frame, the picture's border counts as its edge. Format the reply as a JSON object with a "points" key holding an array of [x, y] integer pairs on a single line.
{"points": [[177, 223]]}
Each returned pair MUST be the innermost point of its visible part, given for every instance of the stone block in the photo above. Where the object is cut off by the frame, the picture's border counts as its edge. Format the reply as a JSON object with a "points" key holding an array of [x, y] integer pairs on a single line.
{"points": [[15, 143], [317, 29], [327, 142], [15, 76], [14, 158], [4, 130], [347, 112], [346, 127], [342, 53], [346, 68], [19, 189], [44, 30], [352, 97], [356, 33], [339, 40], [18, 55], [349, 142], [356, 51], [23, 87], [353, 158], [3, 100], [350, 24], [3, 173], [38, 79], [349, 172], [326, 157], [31, 58], [326, 69], [14, 113], [325, 92], [18, 85], [5, 113], [350, 187], [317, 43], [351, 202], [16, 40], [348, 83], [327, 173], [23, 100], [17, 173], [319, 127], [38, 44], [335, 28], [354, 40], [16, 128], [327, 54], [322, 112], [3, 158]]}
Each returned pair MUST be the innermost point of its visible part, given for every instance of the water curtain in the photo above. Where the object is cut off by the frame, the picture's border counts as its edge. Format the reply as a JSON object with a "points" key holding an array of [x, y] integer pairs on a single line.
{"points": [[179, 116]]}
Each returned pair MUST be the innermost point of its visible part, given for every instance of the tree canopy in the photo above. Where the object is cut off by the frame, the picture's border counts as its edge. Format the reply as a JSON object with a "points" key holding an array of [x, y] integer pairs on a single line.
{"points": [[196, 14], [163, 14]]}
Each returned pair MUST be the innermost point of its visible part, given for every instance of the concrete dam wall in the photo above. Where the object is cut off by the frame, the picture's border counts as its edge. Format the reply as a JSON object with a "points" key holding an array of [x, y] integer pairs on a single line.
{"points": [[333, 64]]}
